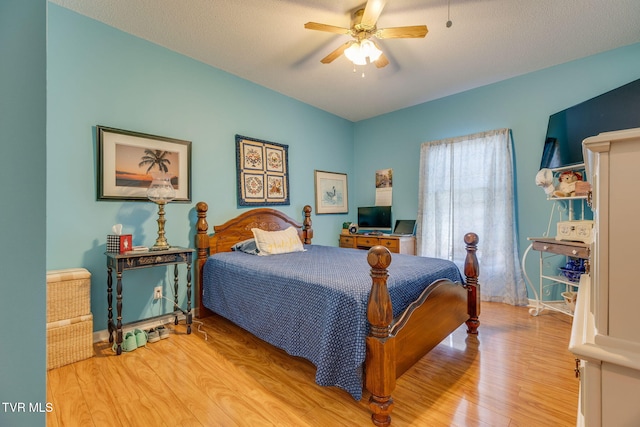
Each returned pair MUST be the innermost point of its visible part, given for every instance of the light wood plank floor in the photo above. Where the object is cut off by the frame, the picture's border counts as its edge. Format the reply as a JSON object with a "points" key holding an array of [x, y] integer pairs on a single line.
{"points": [[517, 372]]}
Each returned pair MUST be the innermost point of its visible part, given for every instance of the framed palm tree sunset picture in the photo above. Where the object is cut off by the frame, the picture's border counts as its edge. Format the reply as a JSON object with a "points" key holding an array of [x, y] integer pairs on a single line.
{"points": [[129, 161]]}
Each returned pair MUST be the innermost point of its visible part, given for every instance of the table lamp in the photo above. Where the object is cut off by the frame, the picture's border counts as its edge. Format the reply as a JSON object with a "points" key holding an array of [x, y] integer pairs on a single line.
{"points": [[161, 192]]}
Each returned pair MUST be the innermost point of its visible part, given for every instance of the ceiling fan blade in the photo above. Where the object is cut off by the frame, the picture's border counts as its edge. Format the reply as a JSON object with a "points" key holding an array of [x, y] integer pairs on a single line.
{"points": [[414, 31], [327, 28], [336, 53], [382, 61], [372, 12]]}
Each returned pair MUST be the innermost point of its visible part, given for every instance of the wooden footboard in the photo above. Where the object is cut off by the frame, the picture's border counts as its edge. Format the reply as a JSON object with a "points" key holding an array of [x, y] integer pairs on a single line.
{"points": [[394, 345]]}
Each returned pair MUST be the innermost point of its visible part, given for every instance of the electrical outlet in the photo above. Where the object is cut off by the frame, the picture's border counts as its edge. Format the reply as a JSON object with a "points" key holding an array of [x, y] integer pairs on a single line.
{"points": [[157, 292]]}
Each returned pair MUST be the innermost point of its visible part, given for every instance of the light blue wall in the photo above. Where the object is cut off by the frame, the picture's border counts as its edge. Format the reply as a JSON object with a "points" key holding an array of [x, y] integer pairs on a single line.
{"points": [[22, 221], [522, 104], [101, 76]]}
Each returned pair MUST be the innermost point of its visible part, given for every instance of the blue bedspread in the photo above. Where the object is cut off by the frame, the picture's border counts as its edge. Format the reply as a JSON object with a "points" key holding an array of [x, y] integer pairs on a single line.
{"points": [[312, 304]]}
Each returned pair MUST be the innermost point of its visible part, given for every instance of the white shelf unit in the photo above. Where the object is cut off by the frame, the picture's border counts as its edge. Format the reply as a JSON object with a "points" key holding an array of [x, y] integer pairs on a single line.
{"points": [[553, 252]]}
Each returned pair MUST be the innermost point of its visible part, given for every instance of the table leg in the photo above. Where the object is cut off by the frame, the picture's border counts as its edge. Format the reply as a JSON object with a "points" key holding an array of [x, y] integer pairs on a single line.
{"points": [[175, 292], [119, 311], [109, 304], [188, 298]]}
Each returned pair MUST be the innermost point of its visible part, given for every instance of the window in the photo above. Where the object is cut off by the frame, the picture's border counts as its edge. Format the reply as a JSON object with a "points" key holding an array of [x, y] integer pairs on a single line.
{"points": [[466, 184]]}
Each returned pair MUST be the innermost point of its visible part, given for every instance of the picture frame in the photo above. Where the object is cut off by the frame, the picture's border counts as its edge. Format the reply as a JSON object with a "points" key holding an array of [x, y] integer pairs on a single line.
{"points": [[127, 159], [262, 172], [331, 192]]}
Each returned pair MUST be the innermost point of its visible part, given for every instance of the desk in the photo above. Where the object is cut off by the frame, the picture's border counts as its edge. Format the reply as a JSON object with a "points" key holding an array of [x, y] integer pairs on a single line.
{"points": [[395, 244], [136, 260]]}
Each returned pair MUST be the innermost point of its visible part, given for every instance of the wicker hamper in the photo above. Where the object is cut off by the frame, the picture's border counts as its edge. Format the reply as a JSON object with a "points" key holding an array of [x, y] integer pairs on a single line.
{"points": [[69, 319], [68, 294], [69, 341]]}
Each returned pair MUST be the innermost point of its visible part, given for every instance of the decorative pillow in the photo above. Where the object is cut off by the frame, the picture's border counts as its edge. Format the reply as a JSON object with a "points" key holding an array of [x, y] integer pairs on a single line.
{"points": [[277, 242], [247, 246]]}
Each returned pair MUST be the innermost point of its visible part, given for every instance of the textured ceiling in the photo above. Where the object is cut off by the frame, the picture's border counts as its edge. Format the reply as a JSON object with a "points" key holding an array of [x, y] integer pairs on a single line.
{"points": [[264, 41]]}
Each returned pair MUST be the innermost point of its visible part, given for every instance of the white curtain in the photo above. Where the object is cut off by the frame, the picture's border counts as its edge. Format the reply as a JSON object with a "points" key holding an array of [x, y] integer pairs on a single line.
{"points": [[466, 184]]}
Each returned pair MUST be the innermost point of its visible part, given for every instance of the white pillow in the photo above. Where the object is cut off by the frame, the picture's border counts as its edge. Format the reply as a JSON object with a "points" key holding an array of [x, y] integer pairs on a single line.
{"points": [[277, 242]]}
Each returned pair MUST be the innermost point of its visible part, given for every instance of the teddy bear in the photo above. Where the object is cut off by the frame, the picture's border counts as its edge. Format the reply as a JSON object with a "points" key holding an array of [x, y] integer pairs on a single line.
{"points": [[567, 184]]}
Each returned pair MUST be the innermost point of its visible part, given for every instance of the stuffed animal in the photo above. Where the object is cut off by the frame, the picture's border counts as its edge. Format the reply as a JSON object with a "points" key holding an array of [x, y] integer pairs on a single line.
{"points": [[567, 184], [544, 179]]}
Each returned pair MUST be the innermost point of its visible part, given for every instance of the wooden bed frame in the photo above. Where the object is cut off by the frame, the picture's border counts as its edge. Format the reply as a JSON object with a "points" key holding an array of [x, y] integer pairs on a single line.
{"points": [[393, 345]]}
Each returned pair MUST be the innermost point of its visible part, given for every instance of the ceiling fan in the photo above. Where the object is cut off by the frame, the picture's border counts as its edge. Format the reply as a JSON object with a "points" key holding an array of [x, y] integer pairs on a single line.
{"points": [[362, 49]]}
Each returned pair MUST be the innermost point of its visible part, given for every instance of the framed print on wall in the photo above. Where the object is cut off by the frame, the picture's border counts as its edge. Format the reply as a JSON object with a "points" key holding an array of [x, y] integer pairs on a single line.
{"points": [[262, 172], [331, 192], [126, 161]]}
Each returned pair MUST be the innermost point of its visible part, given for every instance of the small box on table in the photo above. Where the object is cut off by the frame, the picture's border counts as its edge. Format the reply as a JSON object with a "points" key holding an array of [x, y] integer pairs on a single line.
{"points": [[582, 188], [119, 243]]}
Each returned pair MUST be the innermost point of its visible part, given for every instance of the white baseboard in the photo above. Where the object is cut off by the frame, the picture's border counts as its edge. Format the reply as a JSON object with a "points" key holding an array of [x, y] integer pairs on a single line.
{"points": [[103, 335]]}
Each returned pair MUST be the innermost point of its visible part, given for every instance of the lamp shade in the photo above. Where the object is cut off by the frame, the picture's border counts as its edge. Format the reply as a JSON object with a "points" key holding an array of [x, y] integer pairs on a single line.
{"points": [[370, 50], [362, 52], [354, 54], [161, 190]]}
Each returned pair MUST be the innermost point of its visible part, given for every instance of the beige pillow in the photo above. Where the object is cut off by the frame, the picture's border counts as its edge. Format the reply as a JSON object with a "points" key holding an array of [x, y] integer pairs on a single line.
{"points": [[277, 242]]}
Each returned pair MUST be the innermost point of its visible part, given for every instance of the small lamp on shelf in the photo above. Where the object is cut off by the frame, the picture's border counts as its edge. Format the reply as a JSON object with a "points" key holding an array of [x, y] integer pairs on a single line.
{"points": [[161, 192]]}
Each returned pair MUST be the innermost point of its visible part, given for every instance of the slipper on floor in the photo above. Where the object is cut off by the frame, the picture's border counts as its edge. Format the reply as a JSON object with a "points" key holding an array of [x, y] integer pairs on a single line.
{"points": [[153, 335], [164, 332]]}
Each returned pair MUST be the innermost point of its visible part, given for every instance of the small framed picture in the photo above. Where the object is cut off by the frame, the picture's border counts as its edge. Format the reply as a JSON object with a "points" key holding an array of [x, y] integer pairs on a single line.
{"points": [[331, 192]]}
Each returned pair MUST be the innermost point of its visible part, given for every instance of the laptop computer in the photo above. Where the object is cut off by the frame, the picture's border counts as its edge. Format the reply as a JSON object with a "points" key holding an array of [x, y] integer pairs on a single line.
{"points": [[404, 227]]}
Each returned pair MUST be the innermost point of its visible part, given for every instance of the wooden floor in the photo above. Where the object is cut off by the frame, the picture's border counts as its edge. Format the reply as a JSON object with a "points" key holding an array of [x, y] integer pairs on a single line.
{"points": [[517, 372]]}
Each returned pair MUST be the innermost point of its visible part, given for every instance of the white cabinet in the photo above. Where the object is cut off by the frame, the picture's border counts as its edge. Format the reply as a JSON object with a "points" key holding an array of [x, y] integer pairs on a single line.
{"points": [[605, 333]]}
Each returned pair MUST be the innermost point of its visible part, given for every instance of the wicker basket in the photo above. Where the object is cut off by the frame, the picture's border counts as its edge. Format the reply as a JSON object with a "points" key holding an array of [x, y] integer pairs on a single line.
{"points": [[69, 341], [69, 319], [68, 294]]}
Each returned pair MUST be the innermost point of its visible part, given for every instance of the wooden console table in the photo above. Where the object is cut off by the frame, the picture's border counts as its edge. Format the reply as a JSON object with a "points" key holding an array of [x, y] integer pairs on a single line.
{"points": [[395, 244], [135, 260]]}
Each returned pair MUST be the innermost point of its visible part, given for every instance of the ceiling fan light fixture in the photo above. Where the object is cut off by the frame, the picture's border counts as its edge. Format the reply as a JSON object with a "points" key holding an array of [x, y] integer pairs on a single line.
{"points": [[354, 54], [370, 50], [364, 27], [362, 52]]}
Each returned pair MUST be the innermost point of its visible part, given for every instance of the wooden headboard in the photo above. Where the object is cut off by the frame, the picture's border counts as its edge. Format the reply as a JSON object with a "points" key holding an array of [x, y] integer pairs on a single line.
{"points": [[236, 230]]}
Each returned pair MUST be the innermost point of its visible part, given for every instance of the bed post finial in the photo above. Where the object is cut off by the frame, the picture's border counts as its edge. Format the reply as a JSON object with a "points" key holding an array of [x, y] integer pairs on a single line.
{"points": [[201, 225], [471, 271], [307, 231], [381, 352], [202, 238]]}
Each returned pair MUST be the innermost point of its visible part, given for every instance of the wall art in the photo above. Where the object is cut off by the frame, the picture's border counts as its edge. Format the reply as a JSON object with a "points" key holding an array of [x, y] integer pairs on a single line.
{"points": [[127, 160], [262, 172], [331, 192]]}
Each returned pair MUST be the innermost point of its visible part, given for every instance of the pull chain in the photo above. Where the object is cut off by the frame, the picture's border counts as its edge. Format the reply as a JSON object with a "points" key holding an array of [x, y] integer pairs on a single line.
{"points": [[355, 70]]}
